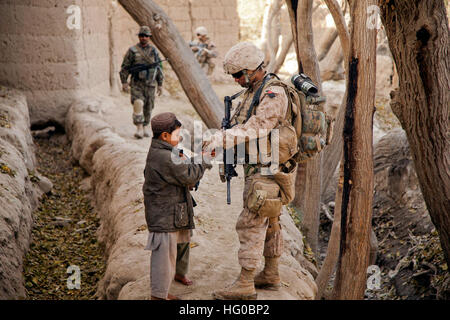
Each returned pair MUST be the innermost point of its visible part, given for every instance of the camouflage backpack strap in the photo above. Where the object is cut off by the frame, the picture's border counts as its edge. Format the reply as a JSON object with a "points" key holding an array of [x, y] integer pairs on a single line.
{"points": [[257, 96]]}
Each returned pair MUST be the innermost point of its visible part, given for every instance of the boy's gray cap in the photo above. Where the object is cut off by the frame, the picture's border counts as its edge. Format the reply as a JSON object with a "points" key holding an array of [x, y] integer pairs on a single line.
{"points": [[163, 122]]}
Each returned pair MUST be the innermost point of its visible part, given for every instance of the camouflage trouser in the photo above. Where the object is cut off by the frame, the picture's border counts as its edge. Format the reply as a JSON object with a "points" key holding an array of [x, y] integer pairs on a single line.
{"points": [[257, 236], [206, 60], [145, 92]]}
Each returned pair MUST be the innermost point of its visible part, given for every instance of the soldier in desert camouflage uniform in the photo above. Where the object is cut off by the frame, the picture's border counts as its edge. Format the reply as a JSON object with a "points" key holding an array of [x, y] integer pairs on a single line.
{"points": [[258, 234], [204, 49], [142, 82]]}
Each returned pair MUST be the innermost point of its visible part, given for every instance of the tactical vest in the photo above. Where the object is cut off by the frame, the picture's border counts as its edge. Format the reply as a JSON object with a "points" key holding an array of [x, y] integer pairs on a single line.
{"points": [[151, 56], [301, 130], [287, 135]]}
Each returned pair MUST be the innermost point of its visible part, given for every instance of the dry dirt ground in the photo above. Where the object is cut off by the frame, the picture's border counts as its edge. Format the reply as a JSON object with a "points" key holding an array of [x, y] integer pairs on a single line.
{"points": [[209, 269]]}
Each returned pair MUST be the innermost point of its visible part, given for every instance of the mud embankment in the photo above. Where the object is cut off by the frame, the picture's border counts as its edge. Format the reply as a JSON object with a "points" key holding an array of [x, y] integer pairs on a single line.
{"points": [[20, 188]]}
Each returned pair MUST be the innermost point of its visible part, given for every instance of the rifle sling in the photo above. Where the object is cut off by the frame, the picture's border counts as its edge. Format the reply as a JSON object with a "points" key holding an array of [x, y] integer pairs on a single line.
{"points": [[256, 97], [147, 58]]}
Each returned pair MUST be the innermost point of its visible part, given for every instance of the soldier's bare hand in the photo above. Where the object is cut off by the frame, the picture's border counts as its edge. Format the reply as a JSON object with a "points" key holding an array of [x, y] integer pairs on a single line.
{"points": [[125, 87], [159, 90]]}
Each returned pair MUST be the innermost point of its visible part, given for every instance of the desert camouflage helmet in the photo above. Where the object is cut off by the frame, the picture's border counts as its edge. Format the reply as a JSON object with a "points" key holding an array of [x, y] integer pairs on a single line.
{"points": [[201, 31], [145, 30], [244, 55]]}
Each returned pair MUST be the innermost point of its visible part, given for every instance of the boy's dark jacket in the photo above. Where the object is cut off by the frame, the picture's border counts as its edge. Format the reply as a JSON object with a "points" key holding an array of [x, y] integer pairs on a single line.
{"points": [[168, 202]]}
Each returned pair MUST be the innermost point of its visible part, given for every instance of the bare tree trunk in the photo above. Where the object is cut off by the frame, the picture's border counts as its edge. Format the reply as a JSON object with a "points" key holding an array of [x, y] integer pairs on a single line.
{"points": [[271, 30], [275, 32], [168, 40], [333, 152], [421, 103], [357, 197], [326, 44], [285, 47], [339, 21], [331, 65], [309, 174], [332, 256]]}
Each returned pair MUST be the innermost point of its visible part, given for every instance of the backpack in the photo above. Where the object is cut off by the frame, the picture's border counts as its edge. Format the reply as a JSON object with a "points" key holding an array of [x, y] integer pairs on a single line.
{"points": [[312, 128]]}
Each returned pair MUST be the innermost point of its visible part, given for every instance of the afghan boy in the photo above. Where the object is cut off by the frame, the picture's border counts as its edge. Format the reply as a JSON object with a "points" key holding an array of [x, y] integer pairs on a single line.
{"points": [[168, 203]]}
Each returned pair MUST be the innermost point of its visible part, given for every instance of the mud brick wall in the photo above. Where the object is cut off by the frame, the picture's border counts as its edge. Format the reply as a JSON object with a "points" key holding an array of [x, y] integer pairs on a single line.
{"points": [[49, 62], [54, 65]]}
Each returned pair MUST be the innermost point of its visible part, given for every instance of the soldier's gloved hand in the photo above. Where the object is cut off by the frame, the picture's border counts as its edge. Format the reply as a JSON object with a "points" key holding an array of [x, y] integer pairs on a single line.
{"points": [[159, 90], [125, 87]]}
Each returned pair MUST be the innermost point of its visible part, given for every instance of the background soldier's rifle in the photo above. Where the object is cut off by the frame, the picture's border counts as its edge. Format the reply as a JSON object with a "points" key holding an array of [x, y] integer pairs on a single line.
{"points": [[136, 68]]}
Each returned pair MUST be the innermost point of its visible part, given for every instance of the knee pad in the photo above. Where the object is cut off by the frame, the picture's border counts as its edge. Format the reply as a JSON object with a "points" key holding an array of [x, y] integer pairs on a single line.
{"points": [[138, 115], [138, 106]]}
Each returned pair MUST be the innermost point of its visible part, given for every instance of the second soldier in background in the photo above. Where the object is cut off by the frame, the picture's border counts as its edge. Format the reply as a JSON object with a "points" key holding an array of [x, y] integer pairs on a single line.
{"points": [[204, 49]]}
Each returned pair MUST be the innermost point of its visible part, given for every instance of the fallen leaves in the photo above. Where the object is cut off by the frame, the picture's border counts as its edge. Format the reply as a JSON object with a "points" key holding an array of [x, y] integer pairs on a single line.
{"points": [[64, 231]]}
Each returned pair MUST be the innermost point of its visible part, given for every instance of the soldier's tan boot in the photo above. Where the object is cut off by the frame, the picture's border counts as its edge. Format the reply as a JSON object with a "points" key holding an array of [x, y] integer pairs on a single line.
{"points": [[269, 278], [139, 131], [146, 131], [242, 289]]}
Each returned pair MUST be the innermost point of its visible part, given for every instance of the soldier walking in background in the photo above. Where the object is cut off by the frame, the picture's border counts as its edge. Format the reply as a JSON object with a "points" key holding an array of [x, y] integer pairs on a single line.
{"points": [[142, 62], [204, 49]]}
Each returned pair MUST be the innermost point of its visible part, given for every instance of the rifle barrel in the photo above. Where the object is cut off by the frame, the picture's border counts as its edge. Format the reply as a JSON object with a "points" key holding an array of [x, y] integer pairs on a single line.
{"points": [[228, 192]]}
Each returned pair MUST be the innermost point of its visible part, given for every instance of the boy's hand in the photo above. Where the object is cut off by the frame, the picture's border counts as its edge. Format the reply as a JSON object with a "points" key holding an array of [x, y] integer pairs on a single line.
{"points": [[209, 154]]}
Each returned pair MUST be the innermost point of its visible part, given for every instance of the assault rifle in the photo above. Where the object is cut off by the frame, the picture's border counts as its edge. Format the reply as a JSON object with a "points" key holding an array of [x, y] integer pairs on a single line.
{"points": [[229, 168], [136, 68]]}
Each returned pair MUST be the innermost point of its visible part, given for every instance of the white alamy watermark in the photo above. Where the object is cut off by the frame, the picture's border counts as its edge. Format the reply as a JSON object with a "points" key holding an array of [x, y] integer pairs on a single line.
{"points": [[373, 17], [74, 19], [374, 279], [74, 280], [251, 147]]}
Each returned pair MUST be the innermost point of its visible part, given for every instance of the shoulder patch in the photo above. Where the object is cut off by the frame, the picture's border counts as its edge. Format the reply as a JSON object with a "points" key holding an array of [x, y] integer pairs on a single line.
{"points": [[270, 93]]}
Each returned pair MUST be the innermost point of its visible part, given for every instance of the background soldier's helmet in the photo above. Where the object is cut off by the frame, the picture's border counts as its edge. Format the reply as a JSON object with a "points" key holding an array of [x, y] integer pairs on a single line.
{"points": [[201, 31], [244, 55], [145, 30]]}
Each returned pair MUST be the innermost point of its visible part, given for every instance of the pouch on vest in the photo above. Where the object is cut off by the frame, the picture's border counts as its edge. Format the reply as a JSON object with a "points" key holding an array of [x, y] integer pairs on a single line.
{"points": [[263, 198], [288, 142], [285, 179]]}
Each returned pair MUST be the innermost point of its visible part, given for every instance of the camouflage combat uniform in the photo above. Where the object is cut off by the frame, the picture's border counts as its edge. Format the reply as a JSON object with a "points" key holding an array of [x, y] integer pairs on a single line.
{"points": [[258, 235], [143, 84], [204, 57]]}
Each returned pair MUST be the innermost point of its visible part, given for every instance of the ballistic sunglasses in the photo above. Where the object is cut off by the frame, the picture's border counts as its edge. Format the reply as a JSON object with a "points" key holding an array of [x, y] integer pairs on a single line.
{"points": [[237, 75]]}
